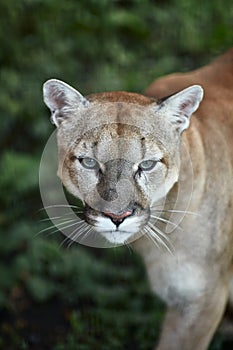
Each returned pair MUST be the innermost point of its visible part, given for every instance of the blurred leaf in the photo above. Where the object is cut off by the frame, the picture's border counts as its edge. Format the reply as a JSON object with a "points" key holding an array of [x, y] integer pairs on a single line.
{"points": [[19, 172], [40, 288]]}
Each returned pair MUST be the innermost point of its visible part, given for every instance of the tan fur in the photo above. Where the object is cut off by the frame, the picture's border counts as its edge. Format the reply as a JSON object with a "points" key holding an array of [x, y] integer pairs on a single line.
{"points": [[208, 240], [193, 173]]}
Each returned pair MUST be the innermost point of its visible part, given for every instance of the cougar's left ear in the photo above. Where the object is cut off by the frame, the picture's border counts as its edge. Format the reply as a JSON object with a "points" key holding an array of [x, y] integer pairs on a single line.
{"points": [[179, 107], [61, 99]]}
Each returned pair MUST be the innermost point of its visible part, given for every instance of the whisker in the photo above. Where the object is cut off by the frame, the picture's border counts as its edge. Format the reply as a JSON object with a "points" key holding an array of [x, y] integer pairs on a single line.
{"points": [[55, 218], [177, 211], [128, 247], [60, 217], [156, 236], [159, 205], [150, 237], [161, 233], [67, 239], [160, 237], [74, 235], [166, 221], [57, 225], [62, 228], [57, 229], [60, 206], [64, 241], [86, 232]]}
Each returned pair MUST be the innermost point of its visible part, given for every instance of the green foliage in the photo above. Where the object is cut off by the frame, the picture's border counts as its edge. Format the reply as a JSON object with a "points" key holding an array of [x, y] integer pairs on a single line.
{"points": [[99, 299]]}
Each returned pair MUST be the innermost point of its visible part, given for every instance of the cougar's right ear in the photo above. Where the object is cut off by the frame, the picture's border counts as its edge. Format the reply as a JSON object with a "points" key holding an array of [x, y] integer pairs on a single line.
{"points": [[179, 107], [62, 99]]}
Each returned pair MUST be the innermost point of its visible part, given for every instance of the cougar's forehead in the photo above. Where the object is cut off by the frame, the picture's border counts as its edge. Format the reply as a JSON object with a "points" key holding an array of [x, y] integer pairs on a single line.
{"points": [[118, 112], [117, 141], [99, 114], [114, 130]]}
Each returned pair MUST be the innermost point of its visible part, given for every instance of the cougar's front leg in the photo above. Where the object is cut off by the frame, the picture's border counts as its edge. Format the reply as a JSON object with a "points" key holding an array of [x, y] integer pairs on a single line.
{"points": [[191, 326]]}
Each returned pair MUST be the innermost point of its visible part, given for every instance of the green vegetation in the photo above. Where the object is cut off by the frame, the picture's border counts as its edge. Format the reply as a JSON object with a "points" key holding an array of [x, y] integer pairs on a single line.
{"points": [[51, 296]]}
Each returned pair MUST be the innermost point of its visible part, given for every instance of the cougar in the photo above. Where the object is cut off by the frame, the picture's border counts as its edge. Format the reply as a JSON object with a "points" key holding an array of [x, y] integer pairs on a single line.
{"points": [[156, 171]]}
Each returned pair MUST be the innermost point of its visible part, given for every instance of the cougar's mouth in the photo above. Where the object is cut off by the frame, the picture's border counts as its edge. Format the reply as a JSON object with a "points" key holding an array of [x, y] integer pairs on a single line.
{"points": [[130, 220]]}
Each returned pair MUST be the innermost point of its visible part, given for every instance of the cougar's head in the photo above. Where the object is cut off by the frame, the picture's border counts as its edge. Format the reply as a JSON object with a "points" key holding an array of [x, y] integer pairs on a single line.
{"points": [[118, 152]]}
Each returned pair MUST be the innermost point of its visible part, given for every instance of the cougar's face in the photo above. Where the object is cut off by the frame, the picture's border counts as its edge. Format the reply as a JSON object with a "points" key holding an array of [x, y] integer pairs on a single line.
{"points": [[118, 152], [118, 171]]}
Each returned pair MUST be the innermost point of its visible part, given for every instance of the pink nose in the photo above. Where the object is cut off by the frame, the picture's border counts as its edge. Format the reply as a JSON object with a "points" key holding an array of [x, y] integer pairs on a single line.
{"points": [[118, 217]]}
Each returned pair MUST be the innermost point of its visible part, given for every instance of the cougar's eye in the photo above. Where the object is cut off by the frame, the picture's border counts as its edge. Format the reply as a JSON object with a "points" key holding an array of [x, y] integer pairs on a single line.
{"points": [[89, 163], [147, 165]]}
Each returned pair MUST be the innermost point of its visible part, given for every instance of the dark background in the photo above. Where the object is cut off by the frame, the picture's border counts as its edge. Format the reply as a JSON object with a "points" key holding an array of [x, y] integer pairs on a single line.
{"points": [[76, 298]]}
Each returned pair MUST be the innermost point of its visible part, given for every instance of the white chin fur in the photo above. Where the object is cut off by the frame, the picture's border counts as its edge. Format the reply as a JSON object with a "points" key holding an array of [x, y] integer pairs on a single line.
{"points": [[125, 231]]}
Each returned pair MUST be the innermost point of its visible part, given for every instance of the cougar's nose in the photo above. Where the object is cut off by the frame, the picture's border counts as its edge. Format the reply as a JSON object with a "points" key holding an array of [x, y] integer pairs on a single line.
{"points": [[117, 219]]}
